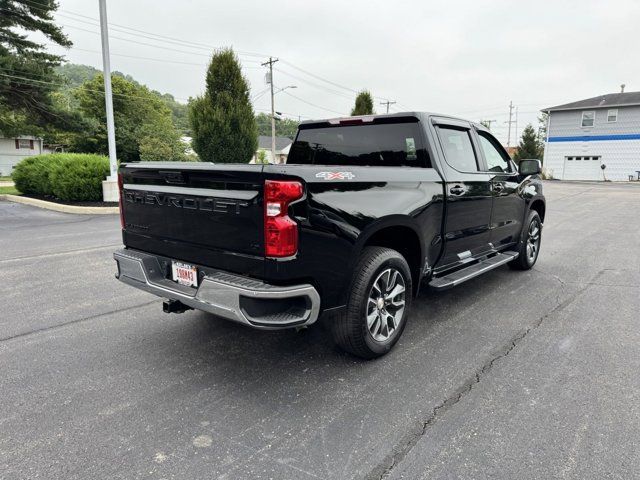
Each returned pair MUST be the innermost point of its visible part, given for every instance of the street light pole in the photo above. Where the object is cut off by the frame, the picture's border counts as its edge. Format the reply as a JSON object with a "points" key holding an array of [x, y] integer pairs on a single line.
{"points": [[273, 113], [110, 185]]}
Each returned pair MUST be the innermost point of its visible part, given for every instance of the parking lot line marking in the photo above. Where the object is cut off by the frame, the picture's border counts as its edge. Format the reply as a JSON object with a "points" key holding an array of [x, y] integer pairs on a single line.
{"points": [[73, 322], [57, 254]]}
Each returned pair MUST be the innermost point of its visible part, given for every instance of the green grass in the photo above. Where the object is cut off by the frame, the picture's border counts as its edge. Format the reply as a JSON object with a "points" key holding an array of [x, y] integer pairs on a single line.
{"points": [[5, 179], [9, 191]]}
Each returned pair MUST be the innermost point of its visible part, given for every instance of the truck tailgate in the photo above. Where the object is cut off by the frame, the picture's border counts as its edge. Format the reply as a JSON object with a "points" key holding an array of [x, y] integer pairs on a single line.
{"points": [[207, 214]]}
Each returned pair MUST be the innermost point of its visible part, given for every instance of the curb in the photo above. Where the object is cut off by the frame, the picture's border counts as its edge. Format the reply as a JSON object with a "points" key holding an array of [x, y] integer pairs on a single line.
{"points": [[58, 207]]}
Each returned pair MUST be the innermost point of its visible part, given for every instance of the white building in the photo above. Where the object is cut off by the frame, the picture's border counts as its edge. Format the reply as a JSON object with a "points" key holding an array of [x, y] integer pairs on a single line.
{"points": [[583, 136], [283, 144], [14, 149]]}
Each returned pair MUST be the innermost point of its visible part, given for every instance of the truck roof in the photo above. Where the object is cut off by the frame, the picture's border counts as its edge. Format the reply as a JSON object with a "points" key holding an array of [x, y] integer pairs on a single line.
{"points": [[371, 118]]}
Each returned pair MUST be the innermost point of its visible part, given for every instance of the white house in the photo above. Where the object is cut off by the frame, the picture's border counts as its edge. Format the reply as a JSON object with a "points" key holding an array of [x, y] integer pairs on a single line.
{"points": [[14, 149], [585, 135], [283, 144]]}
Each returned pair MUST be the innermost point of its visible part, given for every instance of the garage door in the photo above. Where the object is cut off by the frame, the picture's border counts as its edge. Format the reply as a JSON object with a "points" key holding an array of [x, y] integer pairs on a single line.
{"points": [[582, 168]]}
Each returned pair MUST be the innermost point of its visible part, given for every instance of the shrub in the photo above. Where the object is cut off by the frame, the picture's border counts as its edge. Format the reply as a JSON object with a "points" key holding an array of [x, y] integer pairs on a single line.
{"points": [[67, 176], [31, 175], [78, 177]]}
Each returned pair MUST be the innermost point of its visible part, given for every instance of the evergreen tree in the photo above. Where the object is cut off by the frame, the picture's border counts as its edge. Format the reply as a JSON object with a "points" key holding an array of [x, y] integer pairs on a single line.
{"points": [[222, 120], [364, 104], [27, 78], [529, 146]]}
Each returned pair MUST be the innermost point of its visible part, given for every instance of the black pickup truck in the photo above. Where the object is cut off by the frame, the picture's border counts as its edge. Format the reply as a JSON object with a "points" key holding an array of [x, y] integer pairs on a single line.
{"points": [[365, 211]]}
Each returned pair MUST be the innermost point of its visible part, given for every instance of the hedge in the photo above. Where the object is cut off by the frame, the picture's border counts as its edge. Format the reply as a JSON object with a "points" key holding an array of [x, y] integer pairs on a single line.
{"points": [[31, 175], [66, 176]]}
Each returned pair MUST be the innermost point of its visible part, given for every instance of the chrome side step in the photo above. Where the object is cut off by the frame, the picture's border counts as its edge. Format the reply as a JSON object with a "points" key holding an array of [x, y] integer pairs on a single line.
{"points": [[460, 276]]}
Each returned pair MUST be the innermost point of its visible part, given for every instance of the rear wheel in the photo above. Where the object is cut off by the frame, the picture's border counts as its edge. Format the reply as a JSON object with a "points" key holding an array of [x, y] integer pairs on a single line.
{"points": [[529, 246], [378, 304]]}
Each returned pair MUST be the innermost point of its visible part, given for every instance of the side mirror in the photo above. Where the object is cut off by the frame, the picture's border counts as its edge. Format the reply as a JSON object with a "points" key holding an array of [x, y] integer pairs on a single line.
{"points": [[530, 167]]}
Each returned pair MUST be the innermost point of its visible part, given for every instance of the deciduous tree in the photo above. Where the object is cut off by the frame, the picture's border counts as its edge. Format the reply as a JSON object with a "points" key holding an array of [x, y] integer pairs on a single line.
{"points": [[144, 129]]}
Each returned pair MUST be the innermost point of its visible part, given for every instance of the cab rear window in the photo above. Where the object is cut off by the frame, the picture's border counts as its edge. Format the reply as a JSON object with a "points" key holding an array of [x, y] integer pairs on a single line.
{"points": [[387, 144]]}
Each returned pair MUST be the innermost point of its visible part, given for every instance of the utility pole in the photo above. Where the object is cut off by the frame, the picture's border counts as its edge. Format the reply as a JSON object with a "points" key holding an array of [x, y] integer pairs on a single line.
{"points": [[516, 132], [273, 113], [510, 122], [387, 103], [110, 185], [487, 123]]}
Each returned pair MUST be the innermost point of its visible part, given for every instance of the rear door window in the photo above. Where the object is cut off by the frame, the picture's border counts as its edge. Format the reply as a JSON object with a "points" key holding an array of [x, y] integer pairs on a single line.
{"points": [[458, 149], [386, 144]]}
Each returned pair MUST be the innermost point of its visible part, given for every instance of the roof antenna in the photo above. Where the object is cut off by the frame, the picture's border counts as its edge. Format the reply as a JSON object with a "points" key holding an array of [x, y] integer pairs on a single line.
{"points": [[622, 88]]}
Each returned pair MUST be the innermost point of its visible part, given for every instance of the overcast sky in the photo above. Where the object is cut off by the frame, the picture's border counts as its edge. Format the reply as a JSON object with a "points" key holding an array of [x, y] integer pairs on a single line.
{"points": [[468, 58]]}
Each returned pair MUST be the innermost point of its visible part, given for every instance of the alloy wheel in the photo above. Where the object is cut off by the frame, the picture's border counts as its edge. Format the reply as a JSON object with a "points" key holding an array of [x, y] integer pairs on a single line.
{"points": [[533, 241], [385, 305]]}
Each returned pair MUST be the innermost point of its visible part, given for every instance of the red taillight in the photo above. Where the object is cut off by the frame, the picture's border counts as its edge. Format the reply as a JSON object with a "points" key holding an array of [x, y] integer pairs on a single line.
{"points": [[120, 186], [280, 231]]}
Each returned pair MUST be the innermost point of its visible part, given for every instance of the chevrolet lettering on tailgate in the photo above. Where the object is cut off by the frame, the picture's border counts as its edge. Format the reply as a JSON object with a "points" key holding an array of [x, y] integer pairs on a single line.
{"points": [[207, 204]]}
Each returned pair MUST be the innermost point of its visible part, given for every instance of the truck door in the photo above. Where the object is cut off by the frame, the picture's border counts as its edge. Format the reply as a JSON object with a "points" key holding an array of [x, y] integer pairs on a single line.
{"points": [[468, 195], [508, 205]]}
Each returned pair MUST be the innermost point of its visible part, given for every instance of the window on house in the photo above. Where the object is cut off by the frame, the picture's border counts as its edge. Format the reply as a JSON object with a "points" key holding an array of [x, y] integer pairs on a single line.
{"points": [[588, 118], [23, 143], [612, 115]]}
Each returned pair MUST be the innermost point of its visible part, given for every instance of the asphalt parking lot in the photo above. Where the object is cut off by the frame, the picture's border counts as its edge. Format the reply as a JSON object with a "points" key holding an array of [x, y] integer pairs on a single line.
{"points": [[512, 375]]}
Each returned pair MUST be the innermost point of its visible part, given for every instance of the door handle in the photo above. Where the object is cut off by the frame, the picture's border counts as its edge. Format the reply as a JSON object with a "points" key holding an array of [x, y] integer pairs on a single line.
{"points": [[456, 190], [498, 187]]}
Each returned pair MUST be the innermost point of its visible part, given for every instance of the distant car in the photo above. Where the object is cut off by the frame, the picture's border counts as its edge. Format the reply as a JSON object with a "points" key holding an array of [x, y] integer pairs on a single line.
{"points": [[365, 210]]}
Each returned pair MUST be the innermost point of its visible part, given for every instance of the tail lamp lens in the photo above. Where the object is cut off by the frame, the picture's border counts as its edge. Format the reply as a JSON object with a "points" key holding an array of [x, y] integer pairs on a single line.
{"points": [[280, 231], [120, 187]]}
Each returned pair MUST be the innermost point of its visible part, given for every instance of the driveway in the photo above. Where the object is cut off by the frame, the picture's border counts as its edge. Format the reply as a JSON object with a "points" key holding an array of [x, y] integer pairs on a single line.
{"points": [[513, 375]]}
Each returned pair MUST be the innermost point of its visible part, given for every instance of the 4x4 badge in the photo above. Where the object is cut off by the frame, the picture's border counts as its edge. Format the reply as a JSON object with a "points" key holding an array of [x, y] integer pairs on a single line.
{"points": [[336, 175]]}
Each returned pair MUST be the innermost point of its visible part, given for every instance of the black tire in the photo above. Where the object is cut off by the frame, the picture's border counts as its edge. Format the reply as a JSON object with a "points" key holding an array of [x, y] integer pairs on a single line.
{"points": [[525, 260], [351, 329]]}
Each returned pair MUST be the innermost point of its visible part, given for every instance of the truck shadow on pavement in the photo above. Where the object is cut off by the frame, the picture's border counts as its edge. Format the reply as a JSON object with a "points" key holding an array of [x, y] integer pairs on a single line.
{"points": [[207, 340]]}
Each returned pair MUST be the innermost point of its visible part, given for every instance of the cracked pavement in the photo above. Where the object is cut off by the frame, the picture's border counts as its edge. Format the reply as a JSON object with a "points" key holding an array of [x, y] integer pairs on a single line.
{"points": [[512, 375]]}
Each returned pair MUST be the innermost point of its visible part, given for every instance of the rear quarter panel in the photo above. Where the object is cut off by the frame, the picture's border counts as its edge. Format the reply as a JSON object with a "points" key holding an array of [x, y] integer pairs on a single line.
{"points": [[340, 212]]}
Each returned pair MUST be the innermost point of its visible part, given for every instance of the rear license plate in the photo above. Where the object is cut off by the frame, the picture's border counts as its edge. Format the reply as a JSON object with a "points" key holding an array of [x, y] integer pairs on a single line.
{"points": [[184, 274]]}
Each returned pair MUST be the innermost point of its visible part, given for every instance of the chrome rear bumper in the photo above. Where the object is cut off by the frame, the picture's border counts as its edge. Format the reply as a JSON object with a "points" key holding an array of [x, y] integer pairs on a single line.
{"points": [[234, 297]]}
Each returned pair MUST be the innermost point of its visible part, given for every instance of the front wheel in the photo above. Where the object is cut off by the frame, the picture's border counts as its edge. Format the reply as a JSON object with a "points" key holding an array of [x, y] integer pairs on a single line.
{"points": [[378, 304], [529, 246]]}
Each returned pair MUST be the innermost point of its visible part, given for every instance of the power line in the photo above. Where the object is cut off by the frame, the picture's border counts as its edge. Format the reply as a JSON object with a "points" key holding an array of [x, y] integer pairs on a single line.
{"points": [[185, 43], [170, 42], [321, 87], [318, 77], [32, 80], [137, 42], [313, 104], [194, 44], [260, 94], [152, 59]]}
